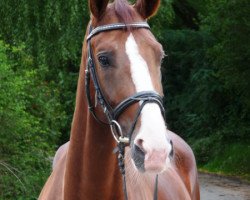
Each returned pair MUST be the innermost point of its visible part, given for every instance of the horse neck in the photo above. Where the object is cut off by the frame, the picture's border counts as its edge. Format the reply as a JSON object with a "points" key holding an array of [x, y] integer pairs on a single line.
{"points": [[91, 167]]}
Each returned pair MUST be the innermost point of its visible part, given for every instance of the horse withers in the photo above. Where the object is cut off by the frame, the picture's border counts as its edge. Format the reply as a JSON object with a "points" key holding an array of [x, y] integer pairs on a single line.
{"points": [[119, 106]]}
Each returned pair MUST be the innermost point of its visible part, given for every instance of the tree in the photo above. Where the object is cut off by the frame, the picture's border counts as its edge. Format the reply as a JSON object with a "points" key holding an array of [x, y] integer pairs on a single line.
{"points": [[30, 124]]}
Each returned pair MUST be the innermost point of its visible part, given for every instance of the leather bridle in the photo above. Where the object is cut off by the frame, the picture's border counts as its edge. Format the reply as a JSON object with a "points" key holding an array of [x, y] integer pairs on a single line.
{"points": [[112, 114]]}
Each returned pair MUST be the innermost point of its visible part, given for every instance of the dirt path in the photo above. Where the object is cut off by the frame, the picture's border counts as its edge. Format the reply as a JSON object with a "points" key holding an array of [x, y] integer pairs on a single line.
{"points": [[215, 187]]}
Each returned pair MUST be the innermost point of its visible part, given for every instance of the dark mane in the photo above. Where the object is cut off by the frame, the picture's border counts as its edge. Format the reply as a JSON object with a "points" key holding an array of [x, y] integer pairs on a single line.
{"points": [[124, 11]]}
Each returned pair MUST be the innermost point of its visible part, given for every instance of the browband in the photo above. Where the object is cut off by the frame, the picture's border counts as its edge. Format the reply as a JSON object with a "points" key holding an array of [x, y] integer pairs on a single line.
{"points": [[117, 26]]}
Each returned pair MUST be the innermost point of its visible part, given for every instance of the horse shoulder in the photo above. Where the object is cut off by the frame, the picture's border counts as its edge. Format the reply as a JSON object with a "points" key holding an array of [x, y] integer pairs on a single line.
{"points": [[60, 153], [53, 188], [185, 165]]}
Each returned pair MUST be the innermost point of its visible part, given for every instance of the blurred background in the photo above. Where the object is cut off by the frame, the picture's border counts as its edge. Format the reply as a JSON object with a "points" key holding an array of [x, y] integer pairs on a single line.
{"points": [[206, 76]]}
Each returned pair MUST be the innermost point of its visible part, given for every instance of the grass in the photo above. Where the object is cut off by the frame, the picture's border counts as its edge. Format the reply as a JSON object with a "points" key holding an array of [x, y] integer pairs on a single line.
{"points": [[232, 160]]}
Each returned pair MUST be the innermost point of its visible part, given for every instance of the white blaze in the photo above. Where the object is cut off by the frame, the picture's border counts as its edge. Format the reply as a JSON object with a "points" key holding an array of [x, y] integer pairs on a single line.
{"points": [[152, 130]]}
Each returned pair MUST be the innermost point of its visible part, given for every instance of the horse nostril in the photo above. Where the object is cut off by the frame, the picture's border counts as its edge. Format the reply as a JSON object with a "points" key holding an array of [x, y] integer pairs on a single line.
{"points": [[139, 144], [138, 156], [139, 151]]}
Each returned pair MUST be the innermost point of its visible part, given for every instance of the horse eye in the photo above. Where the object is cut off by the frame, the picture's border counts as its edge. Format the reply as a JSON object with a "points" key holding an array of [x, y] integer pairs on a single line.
{"points": [[104, 61]]}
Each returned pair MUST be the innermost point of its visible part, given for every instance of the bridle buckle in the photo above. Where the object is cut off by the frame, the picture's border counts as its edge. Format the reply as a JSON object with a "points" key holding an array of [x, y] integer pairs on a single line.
{"points": [[124, 140], [117, 132]]}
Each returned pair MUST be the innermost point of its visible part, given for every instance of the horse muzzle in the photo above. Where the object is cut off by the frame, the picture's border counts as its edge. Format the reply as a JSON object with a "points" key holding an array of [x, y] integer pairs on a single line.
{"points": [[152, 160]]}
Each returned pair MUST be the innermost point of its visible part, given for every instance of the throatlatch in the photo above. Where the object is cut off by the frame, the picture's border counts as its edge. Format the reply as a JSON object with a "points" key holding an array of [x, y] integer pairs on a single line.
{"points": [[113, 114]]}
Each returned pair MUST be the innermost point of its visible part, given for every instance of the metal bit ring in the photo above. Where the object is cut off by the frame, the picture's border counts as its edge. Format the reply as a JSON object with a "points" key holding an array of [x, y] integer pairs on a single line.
{"points": [[117, 132]]}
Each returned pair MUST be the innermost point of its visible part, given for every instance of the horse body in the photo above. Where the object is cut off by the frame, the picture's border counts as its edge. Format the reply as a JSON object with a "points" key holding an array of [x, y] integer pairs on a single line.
{"points": [[178, 182], [86, 168]]}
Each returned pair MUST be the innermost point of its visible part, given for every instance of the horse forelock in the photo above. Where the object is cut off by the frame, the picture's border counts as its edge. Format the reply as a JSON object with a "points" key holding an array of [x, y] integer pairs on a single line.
{"points": [[124, 11]]}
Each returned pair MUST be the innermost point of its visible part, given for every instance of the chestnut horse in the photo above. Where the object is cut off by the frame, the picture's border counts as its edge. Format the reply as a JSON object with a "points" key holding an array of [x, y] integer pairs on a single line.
{"points": [[121, 63]]}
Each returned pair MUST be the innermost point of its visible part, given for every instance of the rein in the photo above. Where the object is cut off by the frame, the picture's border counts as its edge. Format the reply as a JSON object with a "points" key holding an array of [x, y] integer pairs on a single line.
{"points": [[112, 114]]}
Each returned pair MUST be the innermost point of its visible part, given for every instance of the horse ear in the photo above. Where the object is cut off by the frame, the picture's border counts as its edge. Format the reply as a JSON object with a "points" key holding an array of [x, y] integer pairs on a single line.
{"points": [[147, 8], [98, 7]]}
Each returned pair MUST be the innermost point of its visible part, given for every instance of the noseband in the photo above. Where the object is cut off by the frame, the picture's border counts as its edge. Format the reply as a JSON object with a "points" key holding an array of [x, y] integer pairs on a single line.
{"points": [[111, 113]]}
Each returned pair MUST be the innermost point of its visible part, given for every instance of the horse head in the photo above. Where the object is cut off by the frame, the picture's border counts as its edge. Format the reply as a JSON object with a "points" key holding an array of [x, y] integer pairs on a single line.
{"points": [[127, 68]]}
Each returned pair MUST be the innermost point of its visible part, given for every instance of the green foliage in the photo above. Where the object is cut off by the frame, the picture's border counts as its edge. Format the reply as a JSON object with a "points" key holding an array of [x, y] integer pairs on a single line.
{"points": [[232, 160], [53, 32], [187, 82], [51, 29], [30, 118], [164, 17], [206, 79], [207, 148], [228, 22]]}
